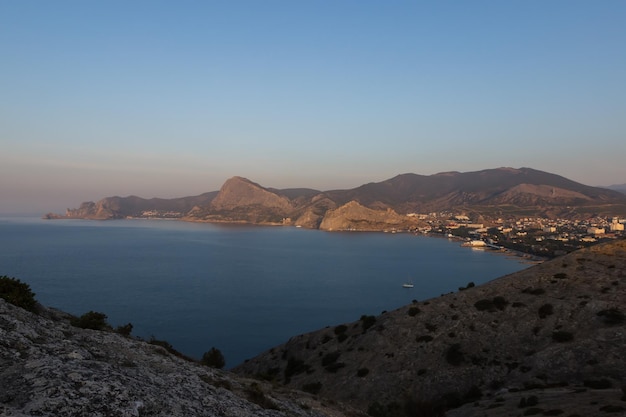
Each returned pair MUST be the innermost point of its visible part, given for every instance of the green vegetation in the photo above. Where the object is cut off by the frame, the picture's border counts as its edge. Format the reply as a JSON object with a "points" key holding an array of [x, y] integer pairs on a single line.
{"points": [[17, 293], [213, 358], [362, 372], [367, 322], [91, 320]]}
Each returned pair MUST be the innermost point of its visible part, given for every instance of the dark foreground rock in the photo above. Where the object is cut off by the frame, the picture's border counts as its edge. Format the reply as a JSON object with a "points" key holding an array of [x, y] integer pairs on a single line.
{"points": [[49, 368]]}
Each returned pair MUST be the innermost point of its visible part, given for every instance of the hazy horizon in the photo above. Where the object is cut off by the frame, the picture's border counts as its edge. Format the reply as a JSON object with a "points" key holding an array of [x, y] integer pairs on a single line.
{"points": [[160, 99]]}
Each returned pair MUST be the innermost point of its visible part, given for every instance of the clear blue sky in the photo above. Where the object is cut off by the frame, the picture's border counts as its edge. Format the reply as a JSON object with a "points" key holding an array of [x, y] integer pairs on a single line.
{"points": [[170, 99]]}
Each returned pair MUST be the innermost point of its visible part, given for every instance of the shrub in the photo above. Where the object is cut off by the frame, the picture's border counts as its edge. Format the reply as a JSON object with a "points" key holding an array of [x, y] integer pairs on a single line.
{"points": [[341, 329], [367, 322], [295, 367], [213, 358], [562, 336], [313, 387], [454, 356], [482, 305], [560, 275], [612, 316], [17, 293], [533, 291], [424, 338], [91, 320], [545, 311], [362, 372], [598, 383], [500, 302], [125, 330], [330, 358], [413, 311]]}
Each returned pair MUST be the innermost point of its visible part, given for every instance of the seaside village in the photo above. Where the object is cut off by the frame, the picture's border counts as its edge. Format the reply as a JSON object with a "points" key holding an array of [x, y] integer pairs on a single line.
{"points": [[533, 235]]}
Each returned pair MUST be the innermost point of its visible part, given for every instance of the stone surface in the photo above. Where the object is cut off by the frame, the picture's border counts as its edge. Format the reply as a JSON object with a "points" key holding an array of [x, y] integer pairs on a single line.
{"points": [[49, 368]]}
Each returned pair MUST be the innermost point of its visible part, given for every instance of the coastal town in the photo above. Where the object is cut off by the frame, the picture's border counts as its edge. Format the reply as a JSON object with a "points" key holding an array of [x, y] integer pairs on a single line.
{"points": [[537, 236]]}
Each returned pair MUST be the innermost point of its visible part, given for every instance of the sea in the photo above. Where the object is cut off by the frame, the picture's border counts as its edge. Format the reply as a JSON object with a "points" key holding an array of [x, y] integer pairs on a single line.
{"points": [[239, 288]]}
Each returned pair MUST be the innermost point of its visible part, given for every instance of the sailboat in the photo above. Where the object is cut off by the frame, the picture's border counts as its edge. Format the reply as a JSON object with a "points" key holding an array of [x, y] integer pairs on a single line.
{"points": [[408, 284]]}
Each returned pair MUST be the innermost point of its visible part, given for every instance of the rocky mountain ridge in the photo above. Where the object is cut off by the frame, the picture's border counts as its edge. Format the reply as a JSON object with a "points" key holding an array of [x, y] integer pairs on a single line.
{"points": [[492, 192]]}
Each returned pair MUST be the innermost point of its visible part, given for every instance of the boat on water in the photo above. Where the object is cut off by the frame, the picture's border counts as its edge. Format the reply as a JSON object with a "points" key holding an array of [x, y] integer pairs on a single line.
{"points": [[407, 285]]}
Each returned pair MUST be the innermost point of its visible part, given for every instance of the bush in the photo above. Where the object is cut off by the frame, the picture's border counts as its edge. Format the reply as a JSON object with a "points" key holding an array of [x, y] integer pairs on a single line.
{"points": [[562, 336], [454, 356], [313, 387], [341, 329], [125, 330], [413, 311], [367, 322], [17, 293], [295, 366], [545, 311], [482, 305], [91, 320], [213, 358], [424, 338], [612, 316], [362, 372]]}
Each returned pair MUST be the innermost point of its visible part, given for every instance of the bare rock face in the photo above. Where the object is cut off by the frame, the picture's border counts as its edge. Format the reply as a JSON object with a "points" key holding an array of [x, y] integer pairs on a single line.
{"points": [[354, 216], [238, 192], [104, 209], [49, 368], [551, 331], [241, 200]]}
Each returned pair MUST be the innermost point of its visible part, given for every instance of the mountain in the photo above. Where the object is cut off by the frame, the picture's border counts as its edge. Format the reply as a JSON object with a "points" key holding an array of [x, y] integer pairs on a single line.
{"points": [[618, 187], [491, 193], [241, 200], [133, 206], [550, 337]]}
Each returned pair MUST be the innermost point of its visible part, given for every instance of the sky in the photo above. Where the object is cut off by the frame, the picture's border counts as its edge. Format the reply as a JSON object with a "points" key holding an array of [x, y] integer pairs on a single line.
{"points": [[172, 98]]}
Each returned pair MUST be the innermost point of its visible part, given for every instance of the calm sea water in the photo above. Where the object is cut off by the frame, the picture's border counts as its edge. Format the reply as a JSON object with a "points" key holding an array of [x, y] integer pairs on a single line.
{"points": [[242, 289]]}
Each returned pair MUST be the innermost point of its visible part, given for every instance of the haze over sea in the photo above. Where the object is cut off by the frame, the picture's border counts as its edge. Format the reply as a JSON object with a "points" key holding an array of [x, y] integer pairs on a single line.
{"points": [[242, 289]]}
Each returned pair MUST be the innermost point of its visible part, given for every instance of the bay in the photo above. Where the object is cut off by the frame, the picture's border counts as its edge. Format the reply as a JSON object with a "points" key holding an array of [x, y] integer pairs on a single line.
{"points": [[242, 289]]}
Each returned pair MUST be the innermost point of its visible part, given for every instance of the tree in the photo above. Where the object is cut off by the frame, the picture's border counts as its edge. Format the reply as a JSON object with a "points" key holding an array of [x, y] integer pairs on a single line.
{"points": [[213, 358], [17, 293]]}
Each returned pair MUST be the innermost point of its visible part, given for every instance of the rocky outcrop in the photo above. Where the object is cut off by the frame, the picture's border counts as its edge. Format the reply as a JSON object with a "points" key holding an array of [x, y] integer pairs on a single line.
{"points": [[49, 368], [242, 201], [354, 216], [555, 331]]}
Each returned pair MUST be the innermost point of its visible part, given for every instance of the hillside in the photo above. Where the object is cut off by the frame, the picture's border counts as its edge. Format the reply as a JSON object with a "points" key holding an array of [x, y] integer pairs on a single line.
{"points": [[490, 193], [50, 368], [553, 334]]}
